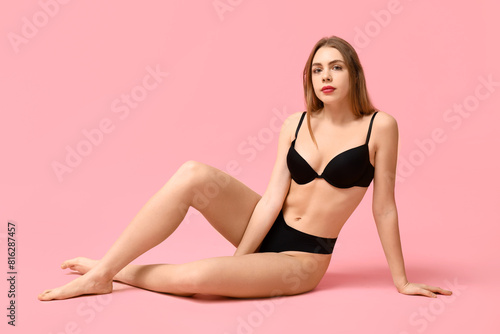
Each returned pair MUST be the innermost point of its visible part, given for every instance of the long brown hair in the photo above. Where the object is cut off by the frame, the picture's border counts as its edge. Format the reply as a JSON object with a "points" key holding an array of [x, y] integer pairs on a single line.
{"points": [[358, 94]]}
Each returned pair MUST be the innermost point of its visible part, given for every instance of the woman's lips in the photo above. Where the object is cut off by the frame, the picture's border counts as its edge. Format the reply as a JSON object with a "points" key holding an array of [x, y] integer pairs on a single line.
{"points": [[328, 90]]}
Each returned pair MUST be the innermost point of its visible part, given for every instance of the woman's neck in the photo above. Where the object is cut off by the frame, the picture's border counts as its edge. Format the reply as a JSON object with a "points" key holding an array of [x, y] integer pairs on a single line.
{"points": [[337, 113]]}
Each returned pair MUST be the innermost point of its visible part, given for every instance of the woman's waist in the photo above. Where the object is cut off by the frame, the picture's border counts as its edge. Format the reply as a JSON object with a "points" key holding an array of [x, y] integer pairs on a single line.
{"points": [[323, 223]]}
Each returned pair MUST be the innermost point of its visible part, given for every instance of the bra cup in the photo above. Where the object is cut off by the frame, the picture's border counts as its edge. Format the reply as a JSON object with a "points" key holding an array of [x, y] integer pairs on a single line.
{"points": [[349, 168], [300, 170], [346, 169]]}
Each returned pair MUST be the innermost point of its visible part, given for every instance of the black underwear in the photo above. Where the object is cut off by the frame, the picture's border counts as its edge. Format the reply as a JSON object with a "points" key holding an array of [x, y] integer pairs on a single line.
{"points": [[282, 237]]}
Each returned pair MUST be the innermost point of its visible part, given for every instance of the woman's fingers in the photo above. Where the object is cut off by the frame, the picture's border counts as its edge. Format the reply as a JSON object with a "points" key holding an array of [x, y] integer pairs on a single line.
{"points": [[440, 290], [424, 290]]}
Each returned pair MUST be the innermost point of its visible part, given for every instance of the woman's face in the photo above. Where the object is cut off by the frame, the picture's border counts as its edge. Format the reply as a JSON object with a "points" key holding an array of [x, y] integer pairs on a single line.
{"points": [[328, 69]]}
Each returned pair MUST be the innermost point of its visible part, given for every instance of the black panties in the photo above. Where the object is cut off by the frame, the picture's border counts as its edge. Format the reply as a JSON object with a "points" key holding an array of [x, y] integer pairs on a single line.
{"points": [[282, 237]]}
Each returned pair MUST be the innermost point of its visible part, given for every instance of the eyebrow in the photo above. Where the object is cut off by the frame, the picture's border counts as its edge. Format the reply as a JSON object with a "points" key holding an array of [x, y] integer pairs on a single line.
{"points": [[333, 61]]}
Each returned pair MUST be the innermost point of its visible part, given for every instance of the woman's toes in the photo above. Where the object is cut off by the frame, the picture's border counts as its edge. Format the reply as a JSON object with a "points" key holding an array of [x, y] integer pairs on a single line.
{"points": [[71, 264], [82, 285], [44, 295], [67, 263]]}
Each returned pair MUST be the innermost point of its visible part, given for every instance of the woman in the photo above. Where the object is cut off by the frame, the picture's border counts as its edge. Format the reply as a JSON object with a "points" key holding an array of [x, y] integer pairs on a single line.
{"points": [[285, 238]]}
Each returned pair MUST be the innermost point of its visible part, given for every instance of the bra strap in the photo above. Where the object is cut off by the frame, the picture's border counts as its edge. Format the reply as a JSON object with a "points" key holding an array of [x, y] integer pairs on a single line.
{"points": [[370, 128], [300, 123]]}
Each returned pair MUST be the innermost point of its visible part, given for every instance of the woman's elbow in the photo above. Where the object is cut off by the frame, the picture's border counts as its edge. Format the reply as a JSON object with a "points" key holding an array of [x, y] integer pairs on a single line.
{"points": [[383, 209], [272, 201]]}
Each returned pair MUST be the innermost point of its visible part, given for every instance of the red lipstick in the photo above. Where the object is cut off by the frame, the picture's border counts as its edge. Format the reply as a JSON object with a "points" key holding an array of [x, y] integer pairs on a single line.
{"points": [[327, 89]]}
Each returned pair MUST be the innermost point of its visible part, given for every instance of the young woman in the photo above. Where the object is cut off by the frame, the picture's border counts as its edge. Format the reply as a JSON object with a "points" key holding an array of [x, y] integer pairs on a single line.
{"points": [[327, 157]]}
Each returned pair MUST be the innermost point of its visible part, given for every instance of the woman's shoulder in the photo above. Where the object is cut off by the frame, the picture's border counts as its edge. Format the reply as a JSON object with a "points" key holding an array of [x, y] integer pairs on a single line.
{"points": [[293, 120], [295, 116], [384, 129], [384, 121]]}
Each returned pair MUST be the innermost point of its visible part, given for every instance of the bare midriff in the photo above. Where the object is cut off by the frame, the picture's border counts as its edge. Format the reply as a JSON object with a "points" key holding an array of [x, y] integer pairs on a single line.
{"points": [[320, 209]]}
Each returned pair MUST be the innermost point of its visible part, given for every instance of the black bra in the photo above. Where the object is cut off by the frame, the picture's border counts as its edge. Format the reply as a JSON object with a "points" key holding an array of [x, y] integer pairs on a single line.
{"points": [[347, 169]]}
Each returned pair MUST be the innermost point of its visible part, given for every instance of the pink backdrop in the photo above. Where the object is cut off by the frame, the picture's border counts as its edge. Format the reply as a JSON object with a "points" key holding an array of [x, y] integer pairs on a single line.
{"points": [[102, 101]]}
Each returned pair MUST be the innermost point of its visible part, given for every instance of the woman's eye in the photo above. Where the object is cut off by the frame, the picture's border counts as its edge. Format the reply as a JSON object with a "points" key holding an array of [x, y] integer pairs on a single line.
{"points": [[336, 68]]}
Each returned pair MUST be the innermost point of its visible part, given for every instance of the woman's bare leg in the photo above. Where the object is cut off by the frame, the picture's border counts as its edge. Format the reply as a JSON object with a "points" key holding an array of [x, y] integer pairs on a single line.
{"points": [[224, 201], [252, 275]]}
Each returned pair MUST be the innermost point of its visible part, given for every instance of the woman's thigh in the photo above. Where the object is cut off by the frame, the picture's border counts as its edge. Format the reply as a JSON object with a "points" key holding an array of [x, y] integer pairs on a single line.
{"points": [[223, 200], [250, 275]]}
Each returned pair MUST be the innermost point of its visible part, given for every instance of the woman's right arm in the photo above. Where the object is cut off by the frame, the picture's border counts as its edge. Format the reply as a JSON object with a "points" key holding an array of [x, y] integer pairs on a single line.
{"points": [[269, 206]]}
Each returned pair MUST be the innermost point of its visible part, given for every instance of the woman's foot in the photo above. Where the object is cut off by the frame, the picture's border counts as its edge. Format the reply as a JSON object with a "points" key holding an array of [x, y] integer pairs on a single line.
{"points": [[89, 283], [82, 265], [79, 264]]}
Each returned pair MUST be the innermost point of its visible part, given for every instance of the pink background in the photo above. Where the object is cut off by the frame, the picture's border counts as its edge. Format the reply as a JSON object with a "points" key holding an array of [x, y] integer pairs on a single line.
{"points": [[230, 75]]}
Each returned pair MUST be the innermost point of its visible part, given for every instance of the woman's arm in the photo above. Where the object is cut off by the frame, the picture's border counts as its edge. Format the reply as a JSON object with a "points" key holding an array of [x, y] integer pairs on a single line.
{"points": [[384, 206], [269, 206]]}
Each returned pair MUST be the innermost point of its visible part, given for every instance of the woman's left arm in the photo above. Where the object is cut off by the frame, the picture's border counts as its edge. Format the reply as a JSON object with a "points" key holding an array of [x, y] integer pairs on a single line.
{"points": [[384, 205]]}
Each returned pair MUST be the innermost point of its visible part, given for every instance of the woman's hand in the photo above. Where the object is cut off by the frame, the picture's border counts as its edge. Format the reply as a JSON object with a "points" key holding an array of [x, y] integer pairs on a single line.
{"points": [[422, 289]]}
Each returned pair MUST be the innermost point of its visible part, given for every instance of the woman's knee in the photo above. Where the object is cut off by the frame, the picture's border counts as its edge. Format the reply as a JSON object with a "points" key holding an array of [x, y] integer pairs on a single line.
{"points": [[191, 173], [191, 166], [199, 173], [203, 181]]}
